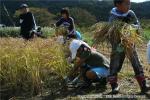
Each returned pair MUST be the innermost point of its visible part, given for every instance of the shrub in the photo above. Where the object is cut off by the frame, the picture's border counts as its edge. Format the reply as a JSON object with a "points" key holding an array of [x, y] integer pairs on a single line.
{"points": [[15, 31], [9, 31]]}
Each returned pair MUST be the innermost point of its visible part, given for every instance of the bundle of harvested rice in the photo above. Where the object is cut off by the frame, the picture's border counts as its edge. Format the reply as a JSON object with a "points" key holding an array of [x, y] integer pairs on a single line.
{"points": [[61, 31], [118, 32]]}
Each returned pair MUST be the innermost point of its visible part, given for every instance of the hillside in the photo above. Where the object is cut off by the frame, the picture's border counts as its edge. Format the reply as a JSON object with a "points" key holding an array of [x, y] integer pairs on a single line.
{"points": [[99, 9]]}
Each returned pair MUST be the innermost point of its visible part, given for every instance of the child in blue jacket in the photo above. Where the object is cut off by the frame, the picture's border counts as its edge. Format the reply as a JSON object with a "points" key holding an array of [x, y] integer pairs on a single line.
{"points": [[122, 13]]}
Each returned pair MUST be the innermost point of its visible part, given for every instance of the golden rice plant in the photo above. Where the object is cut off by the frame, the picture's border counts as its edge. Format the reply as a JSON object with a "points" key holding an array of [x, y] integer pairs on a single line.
{"points": [[25, 65]]}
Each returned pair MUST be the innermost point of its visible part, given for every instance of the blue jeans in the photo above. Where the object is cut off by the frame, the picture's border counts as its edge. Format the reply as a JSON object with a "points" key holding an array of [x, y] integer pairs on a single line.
{"points": [[101, 72]]}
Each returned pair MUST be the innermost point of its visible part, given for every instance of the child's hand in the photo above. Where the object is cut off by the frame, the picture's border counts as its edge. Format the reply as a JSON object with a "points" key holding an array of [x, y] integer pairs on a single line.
{"points": [[69, 60], [93, 48]]}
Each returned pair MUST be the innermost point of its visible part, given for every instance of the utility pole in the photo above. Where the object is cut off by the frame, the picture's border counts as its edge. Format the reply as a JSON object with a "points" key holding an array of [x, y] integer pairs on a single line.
{"points": [[8, 15]]}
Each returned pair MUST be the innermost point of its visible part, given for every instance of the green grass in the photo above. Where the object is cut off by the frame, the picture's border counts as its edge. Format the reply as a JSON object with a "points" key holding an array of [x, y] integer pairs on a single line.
{"points": [[49, 32], [9, 32], [146, 34], [15, 31]]}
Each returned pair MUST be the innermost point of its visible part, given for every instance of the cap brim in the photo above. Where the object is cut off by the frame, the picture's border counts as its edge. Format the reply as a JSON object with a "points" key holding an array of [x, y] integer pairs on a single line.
{"points": [[23, 7]]}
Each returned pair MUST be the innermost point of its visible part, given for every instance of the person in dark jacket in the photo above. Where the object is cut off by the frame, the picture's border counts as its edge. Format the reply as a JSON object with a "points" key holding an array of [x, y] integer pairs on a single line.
{"points": [[27, 22], [122, 13], [68, 22]]}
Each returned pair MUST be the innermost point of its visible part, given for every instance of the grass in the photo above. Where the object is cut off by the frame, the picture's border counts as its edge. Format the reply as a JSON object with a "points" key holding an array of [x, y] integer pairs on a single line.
{"points": [[146, 34], [15, 31], [49, 32], [9, 31], [25, 65]]}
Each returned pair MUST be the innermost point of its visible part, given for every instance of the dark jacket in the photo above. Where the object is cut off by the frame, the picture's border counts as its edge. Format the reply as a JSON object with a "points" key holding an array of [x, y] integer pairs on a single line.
{"points": [[27, 23], [94, 59], [69, 23]]}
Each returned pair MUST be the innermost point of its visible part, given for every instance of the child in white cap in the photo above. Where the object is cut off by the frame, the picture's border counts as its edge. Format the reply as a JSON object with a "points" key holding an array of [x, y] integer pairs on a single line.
{"points": [[94, 66]]}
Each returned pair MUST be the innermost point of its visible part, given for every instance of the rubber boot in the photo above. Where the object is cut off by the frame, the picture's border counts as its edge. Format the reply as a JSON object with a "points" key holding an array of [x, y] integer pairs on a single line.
{"points": [[114, 85], [142, 83]]}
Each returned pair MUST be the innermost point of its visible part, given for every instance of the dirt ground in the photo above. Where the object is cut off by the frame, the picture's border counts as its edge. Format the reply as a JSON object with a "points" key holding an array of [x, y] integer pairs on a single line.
{"points": [[129, 89]]}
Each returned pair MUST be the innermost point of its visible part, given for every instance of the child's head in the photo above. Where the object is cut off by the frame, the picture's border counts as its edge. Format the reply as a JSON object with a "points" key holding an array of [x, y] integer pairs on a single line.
{"points": [[77, 47], [65, 13], [122, 5]]}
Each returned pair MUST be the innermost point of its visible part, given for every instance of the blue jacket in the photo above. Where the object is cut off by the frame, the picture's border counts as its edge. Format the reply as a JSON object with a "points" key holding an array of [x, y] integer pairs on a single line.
{"points": [[128, 17]]}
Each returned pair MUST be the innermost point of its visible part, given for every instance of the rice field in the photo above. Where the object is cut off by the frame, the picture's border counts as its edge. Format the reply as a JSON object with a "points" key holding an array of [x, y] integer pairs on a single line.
{"points": [[26, 65], [28, 68]]}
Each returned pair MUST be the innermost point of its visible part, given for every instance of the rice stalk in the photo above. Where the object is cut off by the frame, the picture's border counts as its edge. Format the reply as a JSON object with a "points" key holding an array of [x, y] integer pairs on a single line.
{"points": [[23, 64]]}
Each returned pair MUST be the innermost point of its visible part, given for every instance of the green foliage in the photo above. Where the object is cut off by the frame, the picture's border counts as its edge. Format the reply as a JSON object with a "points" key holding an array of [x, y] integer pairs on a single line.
{"points": [[15, 31], [82, 17], [48, 31], [99, 9], [146, 34], [146, 27], [145, 23], [42, 16], [9, 32]]}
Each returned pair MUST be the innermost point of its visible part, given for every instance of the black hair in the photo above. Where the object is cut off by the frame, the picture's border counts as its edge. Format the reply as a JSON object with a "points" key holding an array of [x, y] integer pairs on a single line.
{"points": [[65, 11], [81, 48], [117, 2]]}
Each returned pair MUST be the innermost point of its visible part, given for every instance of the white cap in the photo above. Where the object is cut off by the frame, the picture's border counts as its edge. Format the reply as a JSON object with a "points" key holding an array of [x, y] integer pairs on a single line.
{"points": [[75, 45]]}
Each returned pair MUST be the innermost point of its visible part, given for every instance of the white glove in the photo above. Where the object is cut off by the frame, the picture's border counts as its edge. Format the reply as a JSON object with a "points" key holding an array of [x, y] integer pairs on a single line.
{"points": [[135, 26], [69, 60]]}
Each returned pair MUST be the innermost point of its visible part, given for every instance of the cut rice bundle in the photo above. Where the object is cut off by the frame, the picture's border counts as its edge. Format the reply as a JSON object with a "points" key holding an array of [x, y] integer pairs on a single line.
{"points": [[61, 31], [118, 32]]}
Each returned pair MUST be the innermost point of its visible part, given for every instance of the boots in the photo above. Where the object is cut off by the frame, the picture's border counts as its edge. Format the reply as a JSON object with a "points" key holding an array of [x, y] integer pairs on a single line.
{"points": [[115, 88], [114, 85], [142, 83]]}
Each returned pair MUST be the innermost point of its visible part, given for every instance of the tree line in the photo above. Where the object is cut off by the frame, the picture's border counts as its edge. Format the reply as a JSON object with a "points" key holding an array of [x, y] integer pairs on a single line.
{"points": [[84, 12]]}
